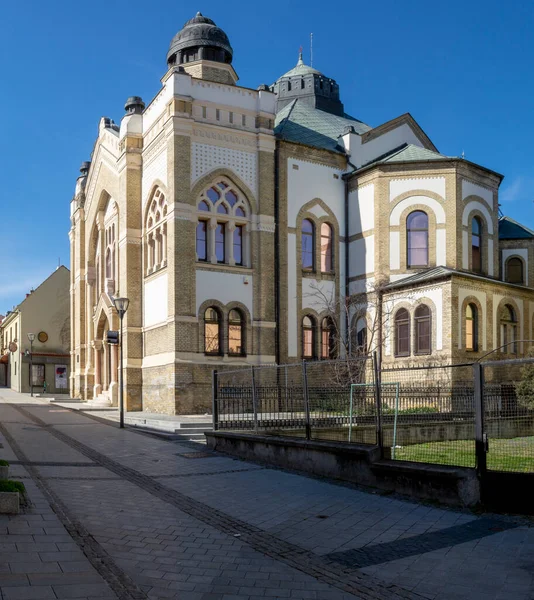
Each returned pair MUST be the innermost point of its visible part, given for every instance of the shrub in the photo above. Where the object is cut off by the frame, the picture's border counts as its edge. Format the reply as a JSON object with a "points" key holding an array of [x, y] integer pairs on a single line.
{"points": [[6, 485], [417, 410], [4, 463], [525, 388]]}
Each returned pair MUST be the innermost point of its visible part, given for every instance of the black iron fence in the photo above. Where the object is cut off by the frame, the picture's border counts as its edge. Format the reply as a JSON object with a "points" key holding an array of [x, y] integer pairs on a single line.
{"points": [[467, 415]]}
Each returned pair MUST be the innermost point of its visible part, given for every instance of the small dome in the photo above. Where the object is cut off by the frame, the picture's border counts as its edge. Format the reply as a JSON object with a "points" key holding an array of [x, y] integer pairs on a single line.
{"points": [[301, 69], [200, 32]]}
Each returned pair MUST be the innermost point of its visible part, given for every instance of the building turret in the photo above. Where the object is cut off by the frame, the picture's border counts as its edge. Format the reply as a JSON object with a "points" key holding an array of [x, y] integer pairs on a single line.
{"points": [[203, 50], [310, 86]]}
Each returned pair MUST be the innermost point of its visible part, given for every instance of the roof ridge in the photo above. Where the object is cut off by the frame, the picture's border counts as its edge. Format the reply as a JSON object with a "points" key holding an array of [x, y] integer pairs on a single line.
{"points": [[516, 223], [285, 120]]}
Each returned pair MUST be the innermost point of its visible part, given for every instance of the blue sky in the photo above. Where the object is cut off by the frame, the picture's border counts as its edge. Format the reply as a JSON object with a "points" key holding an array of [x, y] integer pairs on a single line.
{"points": [[462, 69]]}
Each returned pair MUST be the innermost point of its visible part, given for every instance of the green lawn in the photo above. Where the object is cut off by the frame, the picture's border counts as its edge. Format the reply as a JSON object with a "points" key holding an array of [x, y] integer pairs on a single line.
{"points": [[516, 454]]}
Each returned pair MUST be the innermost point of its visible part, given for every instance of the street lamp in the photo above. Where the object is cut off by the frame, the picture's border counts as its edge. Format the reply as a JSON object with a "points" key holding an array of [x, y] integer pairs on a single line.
{"points": [[121, 306], [31, 337]]}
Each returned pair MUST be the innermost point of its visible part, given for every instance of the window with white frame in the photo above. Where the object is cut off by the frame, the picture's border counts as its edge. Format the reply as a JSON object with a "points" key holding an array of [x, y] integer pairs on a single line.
{"points": [[156, 233], [223, 226]]}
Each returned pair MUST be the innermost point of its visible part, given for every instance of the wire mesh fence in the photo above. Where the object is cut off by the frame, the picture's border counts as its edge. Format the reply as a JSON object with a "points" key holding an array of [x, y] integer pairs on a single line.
{"points": [[310, 400], [508, 396], [428, 414], [460, 415]]}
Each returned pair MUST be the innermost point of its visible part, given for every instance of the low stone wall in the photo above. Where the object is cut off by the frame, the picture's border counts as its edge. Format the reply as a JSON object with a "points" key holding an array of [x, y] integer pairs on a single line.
{"points": [[355, 463]]}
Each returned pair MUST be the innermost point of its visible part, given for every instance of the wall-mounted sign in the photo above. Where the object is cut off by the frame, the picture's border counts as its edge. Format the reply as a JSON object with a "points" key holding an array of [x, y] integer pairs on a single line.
{"points": [[42, 337], [12, 347]]}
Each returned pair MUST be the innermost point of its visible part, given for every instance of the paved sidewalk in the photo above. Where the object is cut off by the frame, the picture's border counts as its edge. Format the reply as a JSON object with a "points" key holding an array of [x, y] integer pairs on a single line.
{"points": [[143, 420], [149, 518]]}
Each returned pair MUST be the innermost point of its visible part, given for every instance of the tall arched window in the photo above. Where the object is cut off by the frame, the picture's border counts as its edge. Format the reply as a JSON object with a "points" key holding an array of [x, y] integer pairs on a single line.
{"points": [[514, 270], [476, 245], [327, 245], [110, 239], [328, 340], [508, 322], [223, 226], [423, 329], [212, 331], [202, 240], [220, 242], [236, 343], [402, 333], [109, 265], [308, 337], [417, 239], [471, 328], [156, 233], [308, 244]]}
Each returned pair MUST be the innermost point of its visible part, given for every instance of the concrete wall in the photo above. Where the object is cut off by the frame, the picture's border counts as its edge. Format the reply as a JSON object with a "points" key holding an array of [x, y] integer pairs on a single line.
{"points": [[358, 464]]}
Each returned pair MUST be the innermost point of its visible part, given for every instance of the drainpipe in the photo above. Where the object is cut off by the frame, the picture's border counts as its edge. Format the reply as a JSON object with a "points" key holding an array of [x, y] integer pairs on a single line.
{"points": [[379, 316], [277, 255], [345, 178], [347, 265]]}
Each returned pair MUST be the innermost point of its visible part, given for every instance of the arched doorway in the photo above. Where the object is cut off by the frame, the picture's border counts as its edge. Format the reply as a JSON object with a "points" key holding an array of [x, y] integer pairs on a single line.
{"points": [[105, 362]]}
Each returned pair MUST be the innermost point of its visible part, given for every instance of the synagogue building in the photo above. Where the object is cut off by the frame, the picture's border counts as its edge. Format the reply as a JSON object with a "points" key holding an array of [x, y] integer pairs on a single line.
{"points": [[260, 226]]}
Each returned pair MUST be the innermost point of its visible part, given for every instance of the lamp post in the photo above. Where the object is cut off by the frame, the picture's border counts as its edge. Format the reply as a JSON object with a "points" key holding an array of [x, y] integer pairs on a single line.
{"points": [[31, 337], [121, 306]]}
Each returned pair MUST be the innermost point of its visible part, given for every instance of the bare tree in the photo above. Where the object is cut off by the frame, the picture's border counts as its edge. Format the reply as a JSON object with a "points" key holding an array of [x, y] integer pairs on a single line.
{"points": [[360, 324]]}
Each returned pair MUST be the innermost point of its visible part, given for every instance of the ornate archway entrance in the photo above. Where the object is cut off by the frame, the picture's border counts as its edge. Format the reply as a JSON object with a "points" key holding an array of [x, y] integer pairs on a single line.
{"points": [[105, 361]]}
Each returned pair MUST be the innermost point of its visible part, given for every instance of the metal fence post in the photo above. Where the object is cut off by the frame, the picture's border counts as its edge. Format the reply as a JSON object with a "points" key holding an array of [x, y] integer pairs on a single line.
{"points": [[254, 400], [480, 435], [378, 398], [215, 399], [306, 399]]}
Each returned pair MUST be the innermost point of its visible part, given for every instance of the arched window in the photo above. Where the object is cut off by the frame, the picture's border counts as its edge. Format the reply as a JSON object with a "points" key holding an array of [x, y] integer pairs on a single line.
{"points": [[308, 337], [508, 322], [514, 270], [417, 239], [156, 233], [402, 333], [109, 266], [327, 244], [476, 245], [238, 245], [212, 331], [202, 240], [328, 340], [236, 344], [423, 329], [308, 244], [220, 242], [223, 226], [361, 336], [471, 328]]}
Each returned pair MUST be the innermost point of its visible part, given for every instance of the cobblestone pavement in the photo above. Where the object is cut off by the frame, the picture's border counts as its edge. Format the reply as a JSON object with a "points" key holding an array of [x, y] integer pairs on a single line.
{"points": [[118, 514]]}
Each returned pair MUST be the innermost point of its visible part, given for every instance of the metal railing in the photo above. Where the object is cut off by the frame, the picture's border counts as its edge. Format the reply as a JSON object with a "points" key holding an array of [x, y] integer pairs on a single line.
{"points": [[468, 415]]}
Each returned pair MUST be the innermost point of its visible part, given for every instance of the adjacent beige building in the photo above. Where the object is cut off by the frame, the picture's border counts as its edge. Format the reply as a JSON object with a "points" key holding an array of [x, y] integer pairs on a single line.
{"points": [[45, 313]]}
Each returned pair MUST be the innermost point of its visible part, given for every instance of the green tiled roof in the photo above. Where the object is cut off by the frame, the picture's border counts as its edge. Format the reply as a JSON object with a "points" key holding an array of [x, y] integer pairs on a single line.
{"points": [[422, 276], [512, 230], [301, 123], [406, 153], [441, 272], [415, 153]]}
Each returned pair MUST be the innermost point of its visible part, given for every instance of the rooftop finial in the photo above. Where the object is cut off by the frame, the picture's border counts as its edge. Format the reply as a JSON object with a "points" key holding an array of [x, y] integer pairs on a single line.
{"points": [[199, 14], [300, 61]]}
